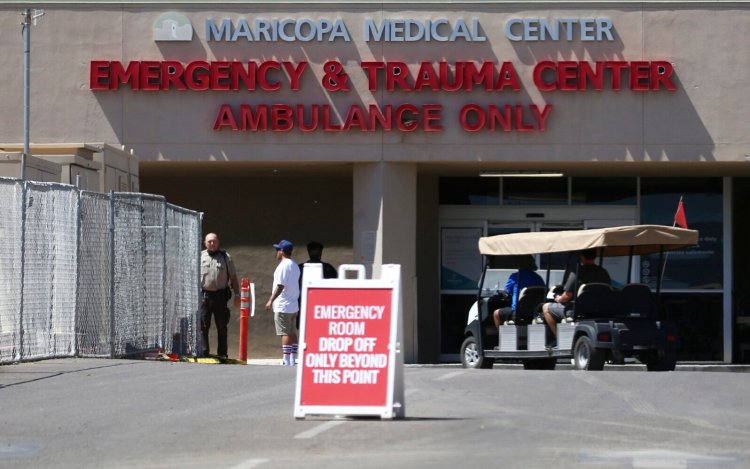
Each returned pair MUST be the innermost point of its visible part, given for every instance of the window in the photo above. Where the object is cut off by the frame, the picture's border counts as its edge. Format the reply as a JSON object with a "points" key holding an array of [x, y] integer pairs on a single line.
{"points": [[697, 267], [469, 191], [604, 191], [535, 191]]}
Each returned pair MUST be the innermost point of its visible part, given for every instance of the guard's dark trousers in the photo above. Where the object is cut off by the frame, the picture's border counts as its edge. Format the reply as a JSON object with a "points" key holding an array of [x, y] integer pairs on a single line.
{"points": [[214, 303]]}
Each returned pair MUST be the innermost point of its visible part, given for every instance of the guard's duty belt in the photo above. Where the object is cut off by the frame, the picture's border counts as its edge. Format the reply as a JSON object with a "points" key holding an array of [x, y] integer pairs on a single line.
{"points": [[213, 294]]}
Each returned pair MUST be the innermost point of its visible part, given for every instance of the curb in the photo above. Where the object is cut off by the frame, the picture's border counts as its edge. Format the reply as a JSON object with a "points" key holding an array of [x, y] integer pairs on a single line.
{"points": [[694, 367]]}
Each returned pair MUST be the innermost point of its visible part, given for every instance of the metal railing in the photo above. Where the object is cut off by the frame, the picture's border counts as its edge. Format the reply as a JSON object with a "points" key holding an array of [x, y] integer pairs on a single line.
{"points": [[95, 275]]}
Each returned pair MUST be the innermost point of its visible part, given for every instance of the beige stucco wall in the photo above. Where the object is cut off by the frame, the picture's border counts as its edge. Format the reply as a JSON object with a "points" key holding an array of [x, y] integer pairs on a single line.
{"points": [[704, 120]]}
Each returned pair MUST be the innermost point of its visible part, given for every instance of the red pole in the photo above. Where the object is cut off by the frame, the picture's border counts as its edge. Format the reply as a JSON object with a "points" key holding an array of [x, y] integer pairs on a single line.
{"points": [[244, 315]]}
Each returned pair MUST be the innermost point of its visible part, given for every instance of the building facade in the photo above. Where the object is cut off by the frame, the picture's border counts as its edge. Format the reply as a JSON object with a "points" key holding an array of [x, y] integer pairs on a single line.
{"points": [[400, 132]]}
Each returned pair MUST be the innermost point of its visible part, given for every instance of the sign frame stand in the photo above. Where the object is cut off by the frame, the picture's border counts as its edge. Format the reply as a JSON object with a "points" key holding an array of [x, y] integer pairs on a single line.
{"points": [[393, 406]]}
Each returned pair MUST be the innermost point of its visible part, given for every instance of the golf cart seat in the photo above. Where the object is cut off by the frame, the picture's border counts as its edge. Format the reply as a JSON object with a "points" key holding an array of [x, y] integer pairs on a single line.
{"points": [[594, 300], [528, 300], [635, 300]]}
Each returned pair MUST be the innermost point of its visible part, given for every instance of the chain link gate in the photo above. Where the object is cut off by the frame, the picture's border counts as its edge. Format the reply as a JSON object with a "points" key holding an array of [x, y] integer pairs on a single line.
{"points": [[95, 275]]}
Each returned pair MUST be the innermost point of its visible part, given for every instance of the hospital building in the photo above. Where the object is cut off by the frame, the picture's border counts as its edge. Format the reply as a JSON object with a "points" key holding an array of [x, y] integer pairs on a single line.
{"points": [[399, 132]]}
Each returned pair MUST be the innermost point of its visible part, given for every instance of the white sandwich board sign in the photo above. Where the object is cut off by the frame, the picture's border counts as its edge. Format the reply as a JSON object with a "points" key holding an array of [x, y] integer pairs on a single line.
{"points": [[350, 353]]}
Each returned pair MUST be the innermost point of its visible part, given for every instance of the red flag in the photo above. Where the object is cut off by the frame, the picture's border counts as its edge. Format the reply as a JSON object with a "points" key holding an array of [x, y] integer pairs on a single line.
{"points": [[679, 216]]}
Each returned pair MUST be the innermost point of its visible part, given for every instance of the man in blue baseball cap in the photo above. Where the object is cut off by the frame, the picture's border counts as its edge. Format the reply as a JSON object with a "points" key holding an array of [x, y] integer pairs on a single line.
{"points": [[284, 301]]}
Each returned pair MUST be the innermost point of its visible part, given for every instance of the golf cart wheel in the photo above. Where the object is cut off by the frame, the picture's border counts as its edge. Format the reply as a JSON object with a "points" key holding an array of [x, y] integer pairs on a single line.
{"points": [[667, 361], [471, 356], [586, 357]]}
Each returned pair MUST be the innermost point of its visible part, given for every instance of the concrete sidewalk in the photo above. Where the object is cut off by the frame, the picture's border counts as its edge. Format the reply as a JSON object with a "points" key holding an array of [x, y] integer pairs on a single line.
{"points": [[264, 361]]}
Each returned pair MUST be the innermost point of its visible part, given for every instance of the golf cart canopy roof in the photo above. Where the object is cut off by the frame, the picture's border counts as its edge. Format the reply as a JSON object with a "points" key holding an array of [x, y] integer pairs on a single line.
{"points": [[613, 241]]}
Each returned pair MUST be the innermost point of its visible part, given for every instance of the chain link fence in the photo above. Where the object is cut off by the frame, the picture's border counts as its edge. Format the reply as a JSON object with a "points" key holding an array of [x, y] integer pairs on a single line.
{"points": [[95, 275]]}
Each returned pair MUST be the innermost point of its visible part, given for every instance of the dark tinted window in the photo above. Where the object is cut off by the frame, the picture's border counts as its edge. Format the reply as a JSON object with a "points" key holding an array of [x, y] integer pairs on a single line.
{"points": [[697, 267], [469, 191], [604, 191], [453, 311], [535, 191], [699, 320]]}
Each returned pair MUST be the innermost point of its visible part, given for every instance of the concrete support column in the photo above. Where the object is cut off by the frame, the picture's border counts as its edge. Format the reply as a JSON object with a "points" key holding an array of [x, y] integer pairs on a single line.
{"points": [[385, 230]]}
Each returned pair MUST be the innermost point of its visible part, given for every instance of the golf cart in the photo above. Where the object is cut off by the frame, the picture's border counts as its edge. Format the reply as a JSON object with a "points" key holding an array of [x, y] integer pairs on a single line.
{"points": [[603, 324]]}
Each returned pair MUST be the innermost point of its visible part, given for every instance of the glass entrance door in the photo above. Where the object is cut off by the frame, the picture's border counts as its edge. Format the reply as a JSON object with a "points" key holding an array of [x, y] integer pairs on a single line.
{"points": [[556, 263]]}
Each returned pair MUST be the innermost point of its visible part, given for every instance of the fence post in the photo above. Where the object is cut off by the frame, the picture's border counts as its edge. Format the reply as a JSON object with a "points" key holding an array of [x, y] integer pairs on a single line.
{"points": [[23, 268], [76, 309], [112, 274], [199, 229], [164, 233]]}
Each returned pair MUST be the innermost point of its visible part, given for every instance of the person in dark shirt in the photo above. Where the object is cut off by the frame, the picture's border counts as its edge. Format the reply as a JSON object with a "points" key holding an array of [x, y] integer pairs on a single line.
{"points": [[588, 272], [315, 251]]}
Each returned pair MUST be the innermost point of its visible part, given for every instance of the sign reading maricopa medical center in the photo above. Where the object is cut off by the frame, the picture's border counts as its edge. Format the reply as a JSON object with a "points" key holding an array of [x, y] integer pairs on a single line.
{"points": [[505, 107], [350, 359]]}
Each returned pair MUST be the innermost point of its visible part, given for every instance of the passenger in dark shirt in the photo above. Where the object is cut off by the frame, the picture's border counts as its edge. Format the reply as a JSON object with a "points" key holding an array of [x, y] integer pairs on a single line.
{"points": [[589, 272]]}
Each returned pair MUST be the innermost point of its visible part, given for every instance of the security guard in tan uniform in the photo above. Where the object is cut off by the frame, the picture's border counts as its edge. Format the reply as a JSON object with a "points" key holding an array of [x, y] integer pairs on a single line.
{"points": [[217, 271]]}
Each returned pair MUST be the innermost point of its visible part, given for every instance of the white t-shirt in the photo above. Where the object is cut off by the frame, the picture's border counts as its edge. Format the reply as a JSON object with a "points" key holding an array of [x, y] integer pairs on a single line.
{"points": [[287, 274]]}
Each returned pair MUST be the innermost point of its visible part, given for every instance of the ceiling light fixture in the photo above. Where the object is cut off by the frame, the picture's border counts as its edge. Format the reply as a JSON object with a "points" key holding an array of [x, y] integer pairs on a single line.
{"points": [[522, 174]]}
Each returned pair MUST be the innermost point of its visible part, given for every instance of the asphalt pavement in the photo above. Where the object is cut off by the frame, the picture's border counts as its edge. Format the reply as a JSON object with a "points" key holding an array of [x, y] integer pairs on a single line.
{"points": [[147, 414]]}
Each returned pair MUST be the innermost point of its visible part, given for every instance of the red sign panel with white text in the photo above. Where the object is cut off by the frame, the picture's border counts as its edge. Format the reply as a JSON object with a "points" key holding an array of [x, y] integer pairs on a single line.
{"points": [[346, 359]]}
